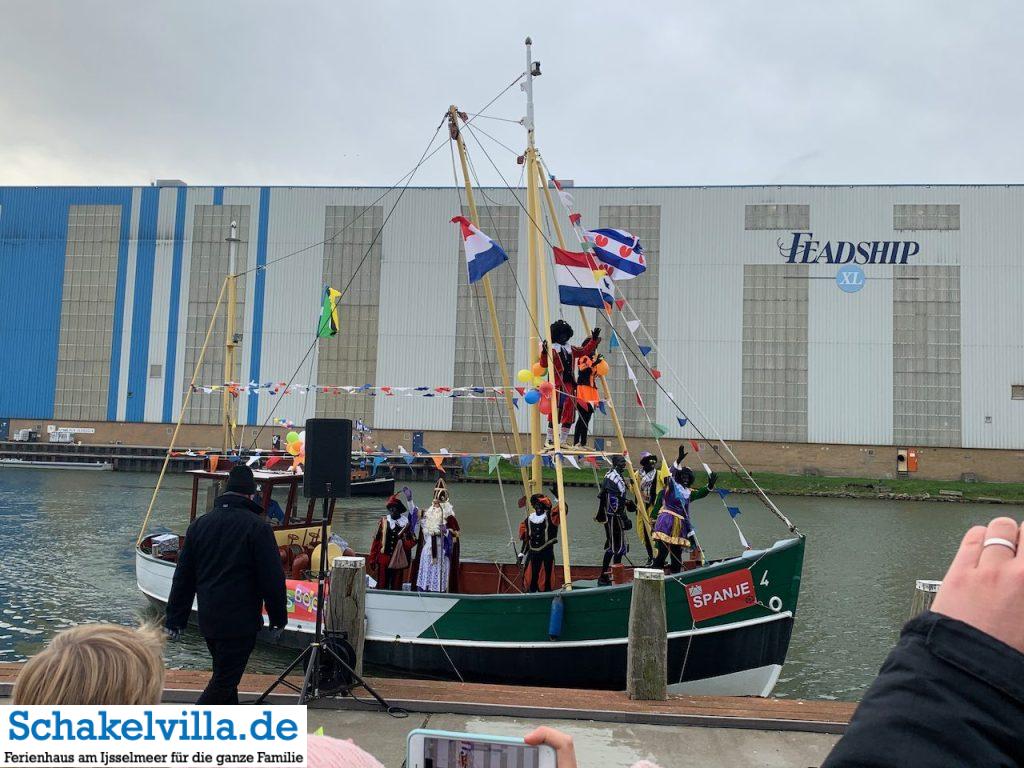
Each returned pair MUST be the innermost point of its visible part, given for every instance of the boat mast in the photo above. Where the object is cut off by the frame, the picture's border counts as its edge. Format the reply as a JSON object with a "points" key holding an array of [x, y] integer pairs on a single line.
{"points": [[499, 344], [230, 342], [623, 448], [535, 248]]}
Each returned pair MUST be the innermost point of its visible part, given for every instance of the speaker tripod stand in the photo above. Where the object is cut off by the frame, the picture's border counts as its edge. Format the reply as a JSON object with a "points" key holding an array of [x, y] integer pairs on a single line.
{"points": [[320, 653]]}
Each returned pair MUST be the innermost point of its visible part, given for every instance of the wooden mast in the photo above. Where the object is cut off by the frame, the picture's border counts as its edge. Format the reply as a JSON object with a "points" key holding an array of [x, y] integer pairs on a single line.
{"points": [[535, 249], [623, 447], [499, 344]]}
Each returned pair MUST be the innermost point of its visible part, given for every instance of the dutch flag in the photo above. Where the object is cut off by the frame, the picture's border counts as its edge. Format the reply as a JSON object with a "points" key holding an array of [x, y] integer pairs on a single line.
{"points": [[579, 280], [482, 253], [620, 250]]}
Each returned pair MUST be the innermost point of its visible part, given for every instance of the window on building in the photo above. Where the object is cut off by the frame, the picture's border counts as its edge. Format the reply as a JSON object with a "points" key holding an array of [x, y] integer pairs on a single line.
{"points": [[774, 216], [941, 217], [156, 371], [87, 311], [1017, 391]]}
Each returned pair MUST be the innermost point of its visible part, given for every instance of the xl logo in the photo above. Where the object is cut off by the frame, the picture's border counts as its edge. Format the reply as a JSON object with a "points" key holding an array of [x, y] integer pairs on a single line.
{"points": [[850, 278]]}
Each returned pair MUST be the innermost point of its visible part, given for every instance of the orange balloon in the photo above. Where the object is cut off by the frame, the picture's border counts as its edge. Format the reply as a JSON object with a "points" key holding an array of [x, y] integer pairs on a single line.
{"points": [[538, 369]]}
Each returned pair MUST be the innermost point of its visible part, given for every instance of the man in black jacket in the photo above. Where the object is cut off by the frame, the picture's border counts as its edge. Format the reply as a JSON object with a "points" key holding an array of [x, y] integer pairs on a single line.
{"points": [[229, 562]]}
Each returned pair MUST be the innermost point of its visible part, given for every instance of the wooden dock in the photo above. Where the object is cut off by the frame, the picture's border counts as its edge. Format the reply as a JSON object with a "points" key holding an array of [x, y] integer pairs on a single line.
{"points": [[428, 696]]}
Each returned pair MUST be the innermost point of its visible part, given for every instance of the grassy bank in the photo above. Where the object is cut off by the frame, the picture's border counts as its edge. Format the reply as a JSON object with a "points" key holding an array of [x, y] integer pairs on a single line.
{"points": [[799, 485]]}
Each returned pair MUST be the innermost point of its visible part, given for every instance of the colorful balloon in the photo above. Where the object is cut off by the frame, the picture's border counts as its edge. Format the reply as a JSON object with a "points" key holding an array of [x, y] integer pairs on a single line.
{"points": [[291, 437], [293, 448], [532, 396], [546, 388], [544, 406], [538, 369], [524, 375], [538, 380]]}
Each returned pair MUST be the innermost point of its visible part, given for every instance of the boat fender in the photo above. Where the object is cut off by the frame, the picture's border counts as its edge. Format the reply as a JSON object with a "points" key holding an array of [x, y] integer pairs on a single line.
{"points": [[557, 614]]}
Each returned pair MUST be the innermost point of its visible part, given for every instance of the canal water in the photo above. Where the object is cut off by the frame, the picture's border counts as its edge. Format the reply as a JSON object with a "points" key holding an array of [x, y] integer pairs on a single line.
{"points": [[66, 557]]}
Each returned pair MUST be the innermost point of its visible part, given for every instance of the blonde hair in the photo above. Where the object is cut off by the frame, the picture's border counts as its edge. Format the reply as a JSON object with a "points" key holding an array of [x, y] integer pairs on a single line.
{"points": [[95, 664]]}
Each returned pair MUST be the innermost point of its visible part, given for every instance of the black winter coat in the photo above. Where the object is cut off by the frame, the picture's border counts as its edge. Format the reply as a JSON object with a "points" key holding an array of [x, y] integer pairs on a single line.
{"points": [[947, 695], [230, 561]]}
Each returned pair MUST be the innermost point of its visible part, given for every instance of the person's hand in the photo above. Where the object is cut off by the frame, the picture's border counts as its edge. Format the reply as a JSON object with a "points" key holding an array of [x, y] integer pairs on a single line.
{"points": [[173, 634], [681, 455], [596, 334], [407, 491], [712, 480], [984, 586], [560, 742]]}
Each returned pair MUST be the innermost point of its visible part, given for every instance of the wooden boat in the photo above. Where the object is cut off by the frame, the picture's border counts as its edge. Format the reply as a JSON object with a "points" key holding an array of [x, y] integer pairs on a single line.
{"points": [[364, 484], [729, 621], [492, 632], [93, 466]]}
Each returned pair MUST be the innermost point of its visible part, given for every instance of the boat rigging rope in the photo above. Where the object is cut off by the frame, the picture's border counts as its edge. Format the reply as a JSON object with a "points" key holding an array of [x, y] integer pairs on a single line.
{"points": [[732, 462], [181, 413], [348, 284], [485, 366]]}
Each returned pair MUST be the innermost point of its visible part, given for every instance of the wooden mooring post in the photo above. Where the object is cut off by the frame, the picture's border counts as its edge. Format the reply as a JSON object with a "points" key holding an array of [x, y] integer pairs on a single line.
{"points": [[346, 603], [924, 595], [647, 644]]}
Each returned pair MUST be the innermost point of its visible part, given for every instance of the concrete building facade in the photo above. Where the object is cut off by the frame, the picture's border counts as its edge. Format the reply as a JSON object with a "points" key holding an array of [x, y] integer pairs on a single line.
{"points": [[848, 316]]}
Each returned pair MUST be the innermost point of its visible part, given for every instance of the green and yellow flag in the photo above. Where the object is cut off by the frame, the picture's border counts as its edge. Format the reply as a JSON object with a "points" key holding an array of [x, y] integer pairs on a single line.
{"points": [[329, 314]]}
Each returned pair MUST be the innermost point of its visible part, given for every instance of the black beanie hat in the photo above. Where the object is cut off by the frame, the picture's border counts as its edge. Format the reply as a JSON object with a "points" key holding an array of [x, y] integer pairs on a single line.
{"points": [[240, 480]]}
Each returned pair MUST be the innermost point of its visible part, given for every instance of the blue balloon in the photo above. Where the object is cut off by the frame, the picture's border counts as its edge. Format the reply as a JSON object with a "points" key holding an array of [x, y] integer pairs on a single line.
{"points": [[532, 397]]}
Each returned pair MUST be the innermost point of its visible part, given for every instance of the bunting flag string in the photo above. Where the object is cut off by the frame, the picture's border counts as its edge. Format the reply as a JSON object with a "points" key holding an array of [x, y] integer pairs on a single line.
{"points": [[281, 388]]}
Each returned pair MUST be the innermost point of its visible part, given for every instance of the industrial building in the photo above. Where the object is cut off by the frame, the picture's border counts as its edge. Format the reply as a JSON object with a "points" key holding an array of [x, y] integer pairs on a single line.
{"points": [[817, 315]]}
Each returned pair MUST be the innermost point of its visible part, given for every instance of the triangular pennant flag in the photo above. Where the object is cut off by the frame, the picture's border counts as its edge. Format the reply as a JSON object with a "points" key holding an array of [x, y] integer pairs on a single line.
{"points": [[613, 342], [620, 303], [439, 463], [408, 459], [629, 370], [722, 492], [492, 463], [525, 459], [658, 429], [600, 407], [743, 539], [377, 461], [632, 325], [682, 420], [547, 461], [645, 351], [571, 460], [639, 400], [733, 511], [466, 461], [655, 373], [252, 460], [515, 402], [693, 444]]}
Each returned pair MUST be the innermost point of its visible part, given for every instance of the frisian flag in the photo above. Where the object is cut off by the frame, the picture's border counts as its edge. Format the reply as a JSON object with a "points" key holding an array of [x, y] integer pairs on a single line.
{"points": [[620, 251], [482, 253], [580, 280]]}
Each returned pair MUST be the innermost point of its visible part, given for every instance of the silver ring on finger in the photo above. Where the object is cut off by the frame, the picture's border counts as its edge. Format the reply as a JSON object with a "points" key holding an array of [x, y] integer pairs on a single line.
{"points": [[1000, 542]]}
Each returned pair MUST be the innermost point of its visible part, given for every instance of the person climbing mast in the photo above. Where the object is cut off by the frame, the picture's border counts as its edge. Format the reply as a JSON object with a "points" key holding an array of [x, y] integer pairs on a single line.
{"points": [[562, 372]]}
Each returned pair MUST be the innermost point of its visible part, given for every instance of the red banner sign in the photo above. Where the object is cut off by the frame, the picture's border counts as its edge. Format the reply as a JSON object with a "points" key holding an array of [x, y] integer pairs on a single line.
{"points": [[720, 595]]}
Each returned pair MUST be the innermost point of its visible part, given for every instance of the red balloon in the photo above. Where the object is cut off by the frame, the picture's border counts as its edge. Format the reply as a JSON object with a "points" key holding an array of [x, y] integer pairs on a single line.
{"points": [[544, 406], [546, 388]]}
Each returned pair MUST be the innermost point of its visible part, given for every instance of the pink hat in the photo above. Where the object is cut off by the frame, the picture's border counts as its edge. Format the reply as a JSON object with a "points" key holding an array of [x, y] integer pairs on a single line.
{"points": [[325, 752]]}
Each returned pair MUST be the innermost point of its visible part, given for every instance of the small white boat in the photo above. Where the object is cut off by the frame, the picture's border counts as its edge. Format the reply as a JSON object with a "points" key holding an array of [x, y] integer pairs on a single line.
{"points": [[93, 466]]}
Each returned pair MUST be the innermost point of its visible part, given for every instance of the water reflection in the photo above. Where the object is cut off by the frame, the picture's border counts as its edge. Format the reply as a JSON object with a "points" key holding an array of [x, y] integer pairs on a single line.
{"points": [[66, 556]]}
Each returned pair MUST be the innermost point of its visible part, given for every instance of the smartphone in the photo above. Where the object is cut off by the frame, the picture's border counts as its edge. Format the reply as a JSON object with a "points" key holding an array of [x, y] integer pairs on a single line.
{"points": [[445, 749]]}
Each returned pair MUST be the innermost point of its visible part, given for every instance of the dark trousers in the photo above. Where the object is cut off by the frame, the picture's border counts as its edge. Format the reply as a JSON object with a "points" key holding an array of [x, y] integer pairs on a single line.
{"points": [[664, 550], [536, 560], [230, 655]]}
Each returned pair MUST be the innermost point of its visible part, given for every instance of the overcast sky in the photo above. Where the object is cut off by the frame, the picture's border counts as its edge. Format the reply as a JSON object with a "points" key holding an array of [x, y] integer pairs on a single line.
{"points": [[632, 93]]}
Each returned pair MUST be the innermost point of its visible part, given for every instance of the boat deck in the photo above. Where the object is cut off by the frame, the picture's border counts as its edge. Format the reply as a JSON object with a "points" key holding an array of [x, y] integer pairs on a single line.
{"points": [[546, 703]]}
